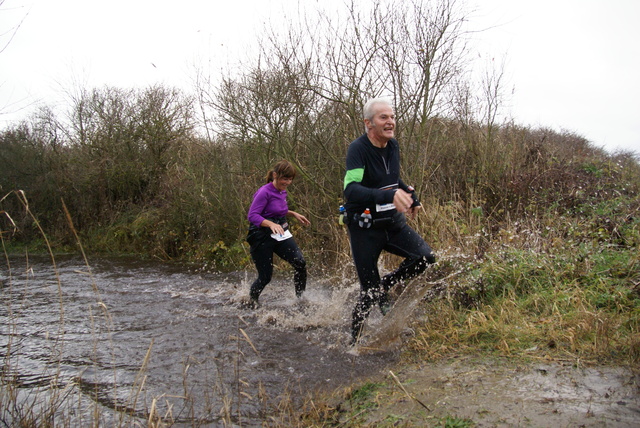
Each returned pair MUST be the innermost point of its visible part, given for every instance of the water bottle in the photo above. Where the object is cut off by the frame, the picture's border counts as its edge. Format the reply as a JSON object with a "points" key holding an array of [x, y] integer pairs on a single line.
{"points": [[365, 219], [343, 214]]}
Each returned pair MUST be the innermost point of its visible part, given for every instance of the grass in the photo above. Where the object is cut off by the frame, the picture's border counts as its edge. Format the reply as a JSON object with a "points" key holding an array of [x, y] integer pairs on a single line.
{"points": [[525, 303], [569, 290], [454, 422]]}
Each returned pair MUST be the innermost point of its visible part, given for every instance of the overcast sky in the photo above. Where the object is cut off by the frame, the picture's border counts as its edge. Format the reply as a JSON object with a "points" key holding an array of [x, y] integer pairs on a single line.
{"points": [[570, 64]]}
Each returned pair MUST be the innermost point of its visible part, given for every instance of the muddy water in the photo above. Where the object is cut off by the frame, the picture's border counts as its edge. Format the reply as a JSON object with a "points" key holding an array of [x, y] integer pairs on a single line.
{"points": [[120, 339]]}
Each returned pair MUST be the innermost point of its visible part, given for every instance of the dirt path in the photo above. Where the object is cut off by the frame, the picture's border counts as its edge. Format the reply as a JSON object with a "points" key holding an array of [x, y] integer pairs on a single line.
{"points": [[501, 394]]}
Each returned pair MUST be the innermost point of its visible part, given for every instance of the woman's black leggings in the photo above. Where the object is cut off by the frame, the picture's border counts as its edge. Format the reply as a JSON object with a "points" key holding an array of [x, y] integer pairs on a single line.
{"points": [[287, 250], [366, 247]]}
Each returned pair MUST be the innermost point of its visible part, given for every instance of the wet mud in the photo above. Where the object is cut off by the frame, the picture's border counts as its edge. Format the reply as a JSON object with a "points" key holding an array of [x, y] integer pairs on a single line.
{"points": [[499, 393]]}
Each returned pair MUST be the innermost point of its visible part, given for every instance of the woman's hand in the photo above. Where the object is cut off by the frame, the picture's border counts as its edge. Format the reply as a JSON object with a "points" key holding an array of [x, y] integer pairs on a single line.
{"points": [[275, 227], [302, 219]]}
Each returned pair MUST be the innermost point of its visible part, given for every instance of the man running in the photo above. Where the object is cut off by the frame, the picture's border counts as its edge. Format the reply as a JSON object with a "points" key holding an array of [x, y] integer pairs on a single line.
{"points": [[372, 183]]}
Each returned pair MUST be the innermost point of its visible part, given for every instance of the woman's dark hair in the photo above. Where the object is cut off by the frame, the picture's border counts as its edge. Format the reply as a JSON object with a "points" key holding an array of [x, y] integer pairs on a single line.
{"points": [[282, 169]]}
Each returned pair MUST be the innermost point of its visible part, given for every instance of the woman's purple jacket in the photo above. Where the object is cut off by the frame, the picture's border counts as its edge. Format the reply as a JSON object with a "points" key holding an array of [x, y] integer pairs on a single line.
{"points": [[268, 202]]}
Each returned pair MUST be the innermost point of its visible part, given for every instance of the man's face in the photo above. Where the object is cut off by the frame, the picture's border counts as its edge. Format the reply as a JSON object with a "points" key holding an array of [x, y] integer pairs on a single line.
{"points": [[382, 127]]}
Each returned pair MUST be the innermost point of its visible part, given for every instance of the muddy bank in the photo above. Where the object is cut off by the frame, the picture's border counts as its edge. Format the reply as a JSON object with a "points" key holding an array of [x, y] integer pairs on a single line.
{"points": [[501, 393]]}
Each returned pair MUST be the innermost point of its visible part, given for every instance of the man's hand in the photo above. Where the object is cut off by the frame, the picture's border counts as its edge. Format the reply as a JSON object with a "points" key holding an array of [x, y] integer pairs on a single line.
{"points": [[413, 212], [402, 201]]}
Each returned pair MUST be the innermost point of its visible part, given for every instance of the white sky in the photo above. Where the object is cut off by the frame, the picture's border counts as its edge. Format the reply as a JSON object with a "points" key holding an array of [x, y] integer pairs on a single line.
{"points": [[570, 64]]}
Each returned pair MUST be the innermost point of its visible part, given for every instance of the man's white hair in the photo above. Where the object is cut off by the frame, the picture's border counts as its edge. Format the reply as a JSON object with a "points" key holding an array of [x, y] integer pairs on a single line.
{"points": [[368, 110]]}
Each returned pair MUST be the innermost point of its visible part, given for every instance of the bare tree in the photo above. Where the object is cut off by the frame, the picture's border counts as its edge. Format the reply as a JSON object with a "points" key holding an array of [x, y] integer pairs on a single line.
{"points": [[6, 37], [8, 34], [302, 97]]}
